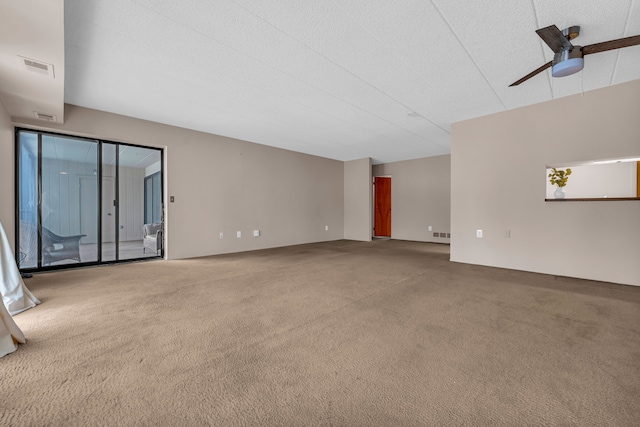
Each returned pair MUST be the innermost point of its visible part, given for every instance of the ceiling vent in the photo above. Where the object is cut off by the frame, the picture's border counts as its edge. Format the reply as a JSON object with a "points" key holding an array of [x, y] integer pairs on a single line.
{"points": [[37, 66], [43, 116]]}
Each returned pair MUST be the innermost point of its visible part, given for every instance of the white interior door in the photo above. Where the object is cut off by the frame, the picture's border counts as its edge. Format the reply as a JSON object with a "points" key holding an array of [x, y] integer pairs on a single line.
{"points": [[89, 209]]}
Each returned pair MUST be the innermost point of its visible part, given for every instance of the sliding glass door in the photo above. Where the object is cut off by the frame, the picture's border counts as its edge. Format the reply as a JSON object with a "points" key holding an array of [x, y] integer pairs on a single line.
{"points": [[81, 201]]}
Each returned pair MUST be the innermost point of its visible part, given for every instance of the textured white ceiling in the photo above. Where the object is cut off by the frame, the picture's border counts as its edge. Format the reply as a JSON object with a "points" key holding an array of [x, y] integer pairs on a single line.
{"points": [[337, 79]]}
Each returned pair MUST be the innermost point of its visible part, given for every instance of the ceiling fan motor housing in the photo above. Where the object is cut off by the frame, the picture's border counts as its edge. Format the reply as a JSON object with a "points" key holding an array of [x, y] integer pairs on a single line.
{"points": [[567, 62], [571, 32]]}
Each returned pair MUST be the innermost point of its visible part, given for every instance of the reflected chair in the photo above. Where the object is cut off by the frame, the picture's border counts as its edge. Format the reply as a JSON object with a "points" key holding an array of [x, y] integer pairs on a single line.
{"points": [[152, 237], [59, 248], [54, 247]]}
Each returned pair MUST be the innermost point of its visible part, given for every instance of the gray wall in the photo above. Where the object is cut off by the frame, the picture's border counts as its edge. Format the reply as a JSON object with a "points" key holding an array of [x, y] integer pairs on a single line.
{"points": [[220, 185], [499, 182], [357, 200], [420, 197], [7, 206]]}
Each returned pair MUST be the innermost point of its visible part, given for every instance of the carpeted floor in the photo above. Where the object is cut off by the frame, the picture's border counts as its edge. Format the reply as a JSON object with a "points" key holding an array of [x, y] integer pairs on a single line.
{"points": [[387, 333]]}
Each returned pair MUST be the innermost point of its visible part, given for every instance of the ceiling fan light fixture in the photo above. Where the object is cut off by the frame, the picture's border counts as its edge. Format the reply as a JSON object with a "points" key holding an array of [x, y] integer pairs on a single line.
{"points": [[567, 67], [567, 62]]}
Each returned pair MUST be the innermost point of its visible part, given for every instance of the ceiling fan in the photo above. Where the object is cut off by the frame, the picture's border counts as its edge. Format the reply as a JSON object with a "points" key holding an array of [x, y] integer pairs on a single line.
{"points": [[569, 59]]}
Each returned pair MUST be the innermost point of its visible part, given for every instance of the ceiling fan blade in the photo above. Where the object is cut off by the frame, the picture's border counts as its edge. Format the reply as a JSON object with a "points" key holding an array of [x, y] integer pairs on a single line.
{"points": [[531, 74], [553, 37], [610, 45]]}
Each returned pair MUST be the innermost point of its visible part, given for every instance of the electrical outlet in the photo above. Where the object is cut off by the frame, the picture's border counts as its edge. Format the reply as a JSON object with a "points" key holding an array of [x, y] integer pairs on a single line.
{"points": [[256, 233], [221, 235], [479, 234], [238, 234]]}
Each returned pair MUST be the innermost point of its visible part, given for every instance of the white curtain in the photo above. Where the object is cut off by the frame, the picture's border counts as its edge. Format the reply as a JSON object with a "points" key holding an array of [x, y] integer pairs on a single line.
{"points": [[10, 334], [15, 297]]}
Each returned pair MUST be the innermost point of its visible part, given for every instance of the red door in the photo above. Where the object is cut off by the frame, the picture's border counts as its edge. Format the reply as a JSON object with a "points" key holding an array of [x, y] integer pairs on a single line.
{"points": [[382, 226]]}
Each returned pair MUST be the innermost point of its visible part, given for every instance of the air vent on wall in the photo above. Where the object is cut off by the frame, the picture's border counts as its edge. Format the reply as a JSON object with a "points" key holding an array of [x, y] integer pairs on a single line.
{"points": [[37, 66], [47, 117]]}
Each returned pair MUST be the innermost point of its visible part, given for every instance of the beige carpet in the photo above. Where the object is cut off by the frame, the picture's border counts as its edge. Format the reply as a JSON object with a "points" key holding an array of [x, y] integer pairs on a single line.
{"points": [[387, 333]]}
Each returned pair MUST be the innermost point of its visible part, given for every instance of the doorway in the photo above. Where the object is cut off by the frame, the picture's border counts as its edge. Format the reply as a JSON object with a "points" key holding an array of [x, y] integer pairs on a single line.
{"points": [[382, 207]]}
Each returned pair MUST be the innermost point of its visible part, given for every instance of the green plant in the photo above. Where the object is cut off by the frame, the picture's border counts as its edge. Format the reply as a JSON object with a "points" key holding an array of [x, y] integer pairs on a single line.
{"points": [[559, 177]]}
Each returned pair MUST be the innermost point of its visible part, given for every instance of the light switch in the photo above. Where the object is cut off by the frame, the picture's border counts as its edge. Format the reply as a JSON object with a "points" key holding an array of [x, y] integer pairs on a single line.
{"points": [[239, 234], [479, 233], [172, 199], [256, 233]]}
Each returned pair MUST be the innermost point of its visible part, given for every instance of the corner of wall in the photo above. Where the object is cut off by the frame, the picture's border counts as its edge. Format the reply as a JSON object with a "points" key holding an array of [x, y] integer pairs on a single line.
{"points": [[358, 199], [420, 197], [7, 214]]}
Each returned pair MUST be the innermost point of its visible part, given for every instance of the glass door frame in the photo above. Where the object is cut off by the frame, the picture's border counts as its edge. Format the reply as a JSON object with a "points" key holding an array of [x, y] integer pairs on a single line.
{"points": [[99, 174]]}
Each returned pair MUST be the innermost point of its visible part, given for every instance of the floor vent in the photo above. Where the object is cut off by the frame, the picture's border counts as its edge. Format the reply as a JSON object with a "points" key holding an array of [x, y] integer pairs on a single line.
{"points": [[445, 235]]}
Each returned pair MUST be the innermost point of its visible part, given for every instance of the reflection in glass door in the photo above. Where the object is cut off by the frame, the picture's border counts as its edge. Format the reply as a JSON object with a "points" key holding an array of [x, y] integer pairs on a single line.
{"points": [[82, 201], [56, 207], [138, 236], [108, 205], [27, 200]]}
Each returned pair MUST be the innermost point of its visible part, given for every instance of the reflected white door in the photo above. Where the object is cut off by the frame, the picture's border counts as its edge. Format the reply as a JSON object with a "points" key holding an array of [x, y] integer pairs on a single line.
{"points": [[88, 211], [108, 210]]}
